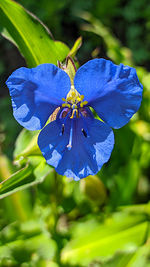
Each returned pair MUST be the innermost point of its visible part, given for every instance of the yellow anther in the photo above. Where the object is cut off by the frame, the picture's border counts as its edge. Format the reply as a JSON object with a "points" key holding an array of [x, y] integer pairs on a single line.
{"points": [[66, 105], [79, 99], [73, 113], [74, 101], [73, 94], [69, 98], [84, 102]]}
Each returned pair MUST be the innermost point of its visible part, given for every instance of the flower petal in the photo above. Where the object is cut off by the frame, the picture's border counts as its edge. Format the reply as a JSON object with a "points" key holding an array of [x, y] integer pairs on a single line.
{"points": [[36, 93], [88, 153], [113, 91]]}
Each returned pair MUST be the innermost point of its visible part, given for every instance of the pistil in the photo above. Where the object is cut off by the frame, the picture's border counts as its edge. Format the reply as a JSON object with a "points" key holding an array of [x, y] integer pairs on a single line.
{"points": [[69, 146]]}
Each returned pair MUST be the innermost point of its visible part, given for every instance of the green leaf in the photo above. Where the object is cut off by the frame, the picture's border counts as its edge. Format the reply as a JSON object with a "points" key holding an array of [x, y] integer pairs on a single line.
{"points": [[26, 144], [75, 47], [138, 258], [99, 241], [17, 205], [14, 180], [30, 35], [120, 259], [136, 209], [141, 257], [21, 250], [26, 177]]}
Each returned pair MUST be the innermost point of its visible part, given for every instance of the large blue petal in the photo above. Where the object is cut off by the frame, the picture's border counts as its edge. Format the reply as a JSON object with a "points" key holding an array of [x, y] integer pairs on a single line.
{"points": [[36, 92], [87, 154], [113, 91]]}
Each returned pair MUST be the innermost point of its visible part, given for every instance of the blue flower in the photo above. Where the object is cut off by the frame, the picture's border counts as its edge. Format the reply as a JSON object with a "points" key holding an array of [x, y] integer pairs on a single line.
{"points": [[74, 142]]}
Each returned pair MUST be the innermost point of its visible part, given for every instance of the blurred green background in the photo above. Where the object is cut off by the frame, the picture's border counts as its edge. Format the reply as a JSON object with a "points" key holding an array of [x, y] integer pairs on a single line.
{"points": [[101, 220]]}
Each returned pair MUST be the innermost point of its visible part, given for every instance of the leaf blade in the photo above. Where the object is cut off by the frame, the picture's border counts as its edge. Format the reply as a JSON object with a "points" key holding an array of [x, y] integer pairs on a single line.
{"points": [[25, 177], [30, 35], [105, 240]]}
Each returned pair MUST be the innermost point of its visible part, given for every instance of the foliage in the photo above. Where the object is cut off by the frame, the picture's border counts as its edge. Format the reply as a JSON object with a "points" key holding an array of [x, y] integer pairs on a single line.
{"points": [[50, 220]]}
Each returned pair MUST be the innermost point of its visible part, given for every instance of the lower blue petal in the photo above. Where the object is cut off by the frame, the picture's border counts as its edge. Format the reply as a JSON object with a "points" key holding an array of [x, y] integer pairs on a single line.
{"points": [[88, 153], [36, 93]]}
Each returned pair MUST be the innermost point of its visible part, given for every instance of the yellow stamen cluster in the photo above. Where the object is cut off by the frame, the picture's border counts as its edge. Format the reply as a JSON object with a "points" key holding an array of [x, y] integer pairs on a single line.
{"points": [[73, 98]]}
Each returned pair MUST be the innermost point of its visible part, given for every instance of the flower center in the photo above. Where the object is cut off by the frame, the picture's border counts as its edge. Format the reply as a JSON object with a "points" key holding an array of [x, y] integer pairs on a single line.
{"points": [[74, 101]]}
